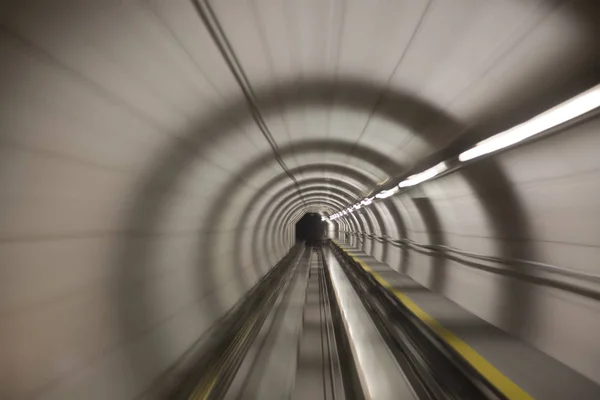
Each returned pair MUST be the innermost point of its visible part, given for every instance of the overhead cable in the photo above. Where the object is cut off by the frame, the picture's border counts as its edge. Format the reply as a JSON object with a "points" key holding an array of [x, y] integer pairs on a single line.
{"points": [[211, 22]]}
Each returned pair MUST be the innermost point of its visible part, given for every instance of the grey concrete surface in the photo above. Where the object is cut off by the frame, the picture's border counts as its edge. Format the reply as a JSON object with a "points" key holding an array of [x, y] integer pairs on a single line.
{"points": [[139, 200], [380, 375]]}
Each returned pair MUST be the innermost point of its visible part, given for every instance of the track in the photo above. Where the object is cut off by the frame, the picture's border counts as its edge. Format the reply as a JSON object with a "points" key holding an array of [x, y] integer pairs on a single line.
{"points": [[318, 341], [296, 353], [319, 328]]}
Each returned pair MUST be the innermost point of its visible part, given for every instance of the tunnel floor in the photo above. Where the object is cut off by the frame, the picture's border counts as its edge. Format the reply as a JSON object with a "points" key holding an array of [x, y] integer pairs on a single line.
{"points": [[326, 338]]}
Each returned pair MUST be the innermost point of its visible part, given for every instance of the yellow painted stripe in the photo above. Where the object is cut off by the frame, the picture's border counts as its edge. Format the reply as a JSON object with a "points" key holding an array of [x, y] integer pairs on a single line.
{"points": [[204, 387], [506, 386], [207, 383]]}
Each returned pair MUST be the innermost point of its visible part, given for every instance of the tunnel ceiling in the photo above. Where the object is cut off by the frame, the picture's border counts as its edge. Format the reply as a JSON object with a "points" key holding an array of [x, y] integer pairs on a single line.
{"points": [[351, 92]]}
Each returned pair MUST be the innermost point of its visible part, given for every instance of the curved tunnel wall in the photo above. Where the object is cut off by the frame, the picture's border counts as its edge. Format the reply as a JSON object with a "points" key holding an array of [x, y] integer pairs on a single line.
{"points": [[140, 202], [543, 208]]}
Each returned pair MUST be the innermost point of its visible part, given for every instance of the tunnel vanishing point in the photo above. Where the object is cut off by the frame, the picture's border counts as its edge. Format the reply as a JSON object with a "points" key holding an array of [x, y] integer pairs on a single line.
{"points": [[156, 155]]}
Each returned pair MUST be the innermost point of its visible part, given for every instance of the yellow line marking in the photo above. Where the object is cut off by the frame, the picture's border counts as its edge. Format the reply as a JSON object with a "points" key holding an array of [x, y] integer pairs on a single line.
{"points": [[206, 384], [506, 386]]}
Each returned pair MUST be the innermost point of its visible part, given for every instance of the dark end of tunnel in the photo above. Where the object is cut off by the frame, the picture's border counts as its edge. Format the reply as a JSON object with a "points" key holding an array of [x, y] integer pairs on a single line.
{"points": [[310, 229]]}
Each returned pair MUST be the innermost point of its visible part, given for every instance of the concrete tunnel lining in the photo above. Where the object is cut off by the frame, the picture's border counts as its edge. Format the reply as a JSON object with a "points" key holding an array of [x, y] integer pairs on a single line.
{"points": [[150, 202], [230, 192]]}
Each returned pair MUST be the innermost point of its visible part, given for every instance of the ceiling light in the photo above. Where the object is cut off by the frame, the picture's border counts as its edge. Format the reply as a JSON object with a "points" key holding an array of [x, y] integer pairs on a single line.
{"points": [[387, 193], [570, 109], [425, 175]]}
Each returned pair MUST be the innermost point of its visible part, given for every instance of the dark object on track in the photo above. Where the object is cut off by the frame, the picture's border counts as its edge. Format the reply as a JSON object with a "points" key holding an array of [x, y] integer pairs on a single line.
{"points": [[317, 242]]}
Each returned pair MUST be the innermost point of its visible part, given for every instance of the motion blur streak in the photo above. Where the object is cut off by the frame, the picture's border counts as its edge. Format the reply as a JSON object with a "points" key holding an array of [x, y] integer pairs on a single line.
{"points": [[571, 109], [140, 199]]}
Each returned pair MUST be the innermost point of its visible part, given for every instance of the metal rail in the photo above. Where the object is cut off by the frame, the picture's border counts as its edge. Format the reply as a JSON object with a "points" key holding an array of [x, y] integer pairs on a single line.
{"points": [[320, 338], [345, 383], [332, 372], [219, 360]]}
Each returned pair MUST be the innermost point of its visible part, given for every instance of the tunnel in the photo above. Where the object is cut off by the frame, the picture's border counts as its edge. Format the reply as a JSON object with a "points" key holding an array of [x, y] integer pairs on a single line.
{"points": [[157, 156], [310, 229]]}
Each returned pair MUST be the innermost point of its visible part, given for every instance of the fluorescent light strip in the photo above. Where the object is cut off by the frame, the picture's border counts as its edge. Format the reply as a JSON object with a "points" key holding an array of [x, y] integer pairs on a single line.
{"points": [[570, 109], [387, 193], [425, 175]]}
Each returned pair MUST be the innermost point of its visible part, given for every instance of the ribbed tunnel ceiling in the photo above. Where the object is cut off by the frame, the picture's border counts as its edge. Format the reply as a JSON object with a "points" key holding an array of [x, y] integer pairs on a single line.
{"points": [[345, 88], [135, 176]]}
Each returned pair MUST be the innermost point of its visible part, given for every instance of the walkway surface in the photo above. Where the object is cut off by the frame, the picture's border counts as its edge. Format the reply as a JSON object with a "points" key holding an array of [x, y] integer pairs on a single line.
{"points": [[537, 374]]}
